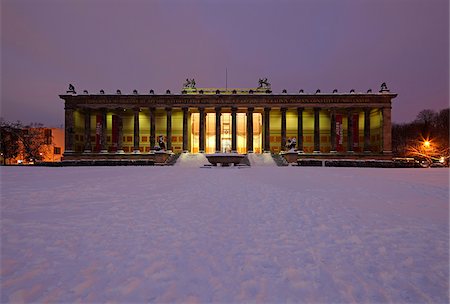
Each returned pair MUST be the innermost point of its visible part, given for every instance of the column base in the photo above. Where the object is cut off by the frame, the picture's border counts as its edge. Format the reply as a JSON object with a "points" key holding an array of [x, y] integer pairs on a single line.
{"points": [[69, 151], [367, 152], [316, 152], [350, 152], [185, 151], [334, 152], [136, 151], [120, 152], [87, 151], [300, 151], [249, 151], [104, 151], [387, 152]]}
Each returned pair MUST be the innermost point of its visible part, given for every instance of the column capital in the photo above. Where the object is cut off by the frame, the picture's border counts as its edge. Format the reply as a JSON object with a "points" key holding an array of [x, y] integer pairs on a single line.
{"points": [[250, 109], [168, 109], [218, 109], [233, 110], [283, 109]]}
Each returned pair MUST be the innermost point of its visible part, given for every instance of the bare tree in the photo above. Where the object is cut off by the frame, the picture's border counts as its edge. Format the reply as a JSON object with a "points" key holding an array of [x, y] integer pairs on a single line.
{"points": [[33, 142], [9, 140]]}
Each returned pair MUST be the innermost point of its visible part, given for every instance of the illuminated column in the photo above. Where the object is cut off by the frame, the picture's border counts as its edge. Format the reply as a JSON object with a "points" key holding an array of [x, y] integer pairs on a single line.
{"points": [[119, 114], [367, 130], [87, 131], [218, 129], [350, 132], [136, 131], [283, 129], [300, 129], [250, 130], [233, 129], [316, 131], [333, 131], [202, 130], [185, 129], [387, 135], [152, 129], [69, 129], [169, 128], [266, 129], [104, 144]]}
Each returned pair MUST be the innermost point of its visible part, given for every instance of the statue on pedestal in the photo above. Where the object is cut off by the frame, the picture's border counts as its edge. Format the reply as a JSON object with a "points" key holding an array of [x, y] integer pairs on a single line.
{"points": [[71, 89]]}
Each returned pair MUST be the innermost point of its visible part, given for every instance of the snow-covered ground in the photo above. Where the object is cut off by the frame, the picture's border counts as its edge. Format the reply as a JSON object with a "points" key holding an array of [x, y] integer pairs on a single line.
{"points": [[259, 234]]}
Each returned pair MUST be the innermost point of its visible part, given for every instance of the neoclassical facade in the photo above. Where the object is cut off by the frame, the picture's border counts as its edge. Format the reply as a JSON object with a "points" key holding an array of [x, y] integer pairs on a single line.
{"points": [[254, 120]]}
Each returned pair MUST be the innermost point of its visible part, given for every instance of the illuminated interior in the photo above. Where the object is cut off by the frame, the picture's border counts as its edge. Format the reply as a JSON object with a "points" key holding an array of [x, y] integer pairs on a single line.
{"points": [[226, 133]]}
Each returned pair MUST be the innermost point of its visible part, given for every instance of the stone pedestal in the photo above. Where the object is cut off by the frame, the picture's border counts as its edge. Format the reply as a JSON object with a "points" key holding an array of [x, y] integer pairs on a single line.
{"points": [[291, 156]]}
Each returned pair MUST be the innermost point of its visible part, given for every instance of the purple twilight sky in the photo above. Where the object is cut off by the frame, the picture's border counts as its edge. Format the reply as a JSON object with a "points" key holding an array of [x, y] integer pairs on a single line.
{"points": [[143, 45]]}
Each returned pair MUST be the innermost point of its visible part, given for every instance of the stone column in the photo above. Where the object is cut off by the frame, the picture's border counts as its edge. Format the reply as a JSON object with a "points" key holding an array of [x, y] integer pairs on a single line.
{"points": [[300, 129], [283, 129], [69, 129], [152, 129], [250, 130], [367, 130], [333, 131], [136, 131], [387, 133], [233, 130], [119, 114], [316, 130], [185, 129], [266, 129], [350, 132], [169, 128], [87, 131], [202, 130], [218, 128], [104, 144]]}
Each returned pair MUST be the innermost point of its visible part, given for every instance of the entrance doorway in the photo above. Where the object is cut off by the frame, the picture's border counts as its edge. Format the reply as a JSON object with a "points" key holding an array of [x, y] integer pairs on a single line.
{"points": [[226, 133]]}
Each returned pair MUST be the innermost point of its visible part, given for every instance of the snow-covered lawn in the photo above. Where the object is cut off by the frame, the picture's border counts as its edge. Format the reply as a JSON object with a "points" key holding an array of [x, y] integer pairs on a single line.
{"points": [[260, 234]]}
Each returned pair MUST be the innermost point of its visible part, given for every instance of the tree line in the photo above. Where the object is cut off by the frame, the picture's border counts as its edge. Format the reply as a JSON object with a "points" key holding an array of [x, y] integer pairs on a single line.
{"points": [[427, 136], [31, 142]]}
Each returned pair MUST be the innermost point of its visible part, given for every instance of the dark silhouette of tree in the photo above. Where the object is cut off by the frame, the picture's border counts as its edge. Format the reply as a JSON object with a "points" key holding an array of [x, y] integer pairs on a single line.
{"points": [[9, 140], [33, 142], [408, 139]]}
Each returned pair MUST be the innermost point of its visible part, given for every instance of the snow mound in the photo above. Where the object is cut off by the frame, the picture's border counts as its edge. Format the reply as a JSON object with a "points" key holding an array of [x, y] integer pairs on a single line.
{"points": [[264, 159], [191, 160]]}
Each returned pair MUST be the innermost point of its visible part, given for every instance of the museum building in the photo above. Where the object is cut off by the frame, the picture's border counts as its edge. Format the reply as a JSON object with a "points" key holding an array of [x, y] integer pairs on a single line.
{"points": [[212, 120]]}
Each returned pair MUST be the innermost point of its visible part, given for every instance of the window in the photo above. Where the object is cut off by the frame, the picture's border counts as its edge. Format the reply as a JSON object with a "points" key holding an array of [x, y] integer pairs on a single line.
{"points": [[48, 136], [57, 150]]}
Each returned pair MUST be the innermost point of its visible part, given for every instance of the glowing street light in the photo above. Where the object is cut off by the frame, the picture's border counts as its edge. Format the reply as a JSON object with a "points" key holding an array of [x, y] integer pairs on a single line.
{"points": [[426, 144]]}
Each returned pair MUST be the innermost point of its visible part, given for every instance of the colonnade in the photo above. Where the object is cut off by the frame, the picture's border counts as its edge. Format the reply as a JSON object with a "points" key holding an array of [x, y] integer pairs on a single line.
{"points": [[70, 128]]}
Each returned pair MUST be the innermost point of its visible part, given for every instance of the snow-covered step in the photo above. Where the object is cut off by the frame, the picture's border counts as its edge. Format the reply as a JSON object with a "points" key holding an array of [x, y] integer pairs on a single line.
{"points": [[264, 159], [192, 160]]}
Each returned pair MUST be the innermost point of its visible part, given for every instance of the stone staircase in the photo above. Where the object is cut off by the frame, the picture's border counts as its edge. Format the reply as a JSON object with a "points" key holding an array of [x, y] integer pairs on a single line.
{"points": [[280, 160], [172, 159]]}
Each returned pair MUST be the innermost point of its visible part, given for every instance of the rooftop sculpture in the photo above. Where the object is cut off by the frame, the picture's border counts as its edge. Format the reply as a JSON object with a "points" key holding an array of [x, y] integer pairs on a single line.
{"points": [[263, 83]]}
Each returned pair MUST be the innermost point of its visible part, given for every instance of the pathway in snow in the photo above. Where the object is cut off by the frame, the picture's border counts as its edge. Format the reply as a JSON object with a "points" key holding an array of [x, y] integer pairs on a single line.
{"points": [[172, 234]]}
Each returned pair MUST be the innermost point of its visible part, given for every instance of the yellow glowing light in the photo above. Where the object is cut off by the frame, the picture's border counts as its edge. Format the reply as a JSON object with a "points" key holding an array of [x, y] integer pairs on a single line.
{"points": [[426, 144]]}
